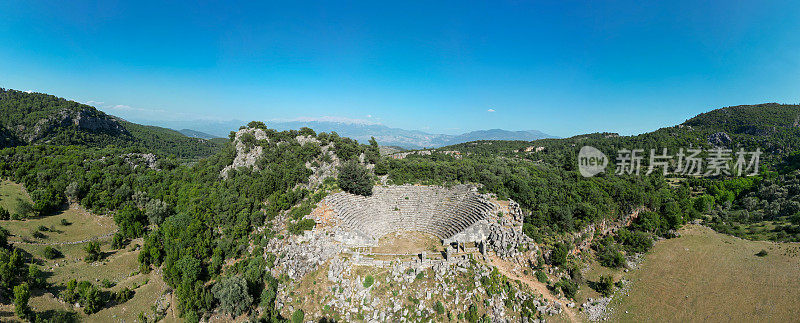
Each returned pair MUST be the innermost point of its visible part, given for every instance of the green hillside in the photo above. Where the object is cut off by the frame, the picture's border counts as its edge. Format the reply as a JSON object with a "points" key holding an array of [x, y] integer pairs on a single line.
{"points": [[36, 118]]}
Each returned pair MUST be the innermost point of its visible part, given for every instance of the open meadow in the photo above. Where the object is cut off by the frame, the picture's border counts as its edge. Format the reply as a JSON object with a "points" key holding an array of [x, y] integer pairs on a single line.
{"points": [[707, 276], [68, 232]]}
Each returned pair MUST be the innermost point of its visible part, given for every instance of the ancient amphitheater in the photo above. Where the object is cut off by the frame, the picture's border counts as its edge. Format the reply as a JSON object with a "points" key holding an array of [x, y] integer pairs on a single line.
{"points": [[454, 214]]}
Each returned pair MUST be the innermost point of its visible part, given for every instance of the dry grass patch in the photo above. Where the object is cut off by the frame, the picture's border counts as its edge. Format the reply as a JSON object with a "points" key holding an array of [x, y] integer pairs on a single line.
{"points": [[707, 276], [82, 226], [407, 242]]}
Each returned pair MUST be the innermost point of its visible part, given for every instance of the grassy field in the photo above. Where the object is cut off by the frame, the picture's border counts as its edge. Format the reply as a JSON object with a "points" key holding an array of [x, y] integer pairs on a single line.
{"points": [[10, 192], [121, 267], [82, 226], [707, 276]]}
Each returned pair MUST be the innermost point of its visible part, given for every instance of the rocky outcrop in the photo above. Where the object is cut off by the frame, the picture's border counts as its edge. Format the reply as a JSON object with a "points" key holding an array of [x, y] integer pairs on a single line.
{"points": [[505, 235], [147, 160], [719, 139], [84, 119], [247, 152]]}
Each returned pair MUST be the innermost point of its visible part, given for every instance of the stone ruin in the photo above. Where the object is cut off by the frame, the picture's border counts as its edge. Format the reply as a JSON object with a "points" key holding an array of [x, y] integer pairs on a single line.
{"points": [[452, 215], [348, 228], [456, 216]]}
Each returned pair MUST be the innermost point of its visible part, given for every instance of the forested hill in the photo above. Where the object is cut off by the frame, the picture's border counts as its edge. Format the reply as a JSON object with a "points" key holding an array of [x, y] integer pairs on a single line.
{"points": [[542, 175], [36, 118], [760, 119], [773, 128]]}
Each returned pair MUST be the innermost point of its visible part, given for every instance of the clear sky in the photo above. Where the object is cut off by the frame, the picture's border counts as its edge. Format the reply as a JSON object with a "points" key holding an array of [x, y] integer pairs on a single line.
{"points": [[562, 67]]}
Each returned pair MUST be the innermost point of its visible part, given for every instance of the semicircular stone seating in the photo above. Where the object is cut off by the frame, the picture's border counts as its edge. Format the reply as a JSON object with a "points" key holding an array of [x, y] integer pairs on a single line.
{"points": [[439, 211]]}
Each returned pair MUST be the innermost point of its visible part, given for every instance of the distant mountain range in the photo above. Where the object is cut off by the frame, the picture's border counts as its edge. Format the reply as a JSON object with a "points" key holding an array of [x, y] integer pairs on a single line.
{"points": [[386, 136], [197, 134]]}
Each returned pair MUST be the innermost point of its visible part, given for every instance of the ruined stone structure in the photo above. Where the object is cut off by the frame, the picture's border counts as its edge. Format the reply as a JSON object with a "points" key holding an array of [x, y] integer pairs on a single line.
{"points": [[450, 214]]}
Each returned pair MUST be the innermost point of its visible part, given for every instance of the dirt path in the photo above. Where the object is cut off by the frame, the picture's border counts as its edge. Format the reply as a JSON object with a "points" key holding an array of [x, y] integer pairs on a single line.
{"points": [[507, 268]]}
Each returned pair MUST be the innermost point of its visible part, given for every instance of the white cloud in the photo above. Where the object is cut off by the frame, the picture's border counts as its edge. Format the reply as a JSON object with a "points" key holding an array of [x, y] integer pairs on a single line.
{"points": [[490, 110], [28, 91]]}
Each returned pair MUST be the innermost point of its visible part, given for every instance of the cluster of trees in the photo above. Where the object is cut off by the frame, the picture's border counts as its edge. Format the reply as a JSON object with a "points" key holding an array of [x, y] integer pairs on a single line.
{"points": [[609, 249], [247, 284], [766, 207], [355, 178], [90, 297], [18, 275], [191, 220]]}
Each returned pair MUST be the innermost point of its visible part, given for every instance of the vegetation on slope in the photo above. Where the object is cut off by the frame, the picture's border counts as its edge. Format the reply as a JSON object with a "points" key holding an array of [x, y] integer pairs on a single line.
{"points": [[191, 220], [35, 118]]}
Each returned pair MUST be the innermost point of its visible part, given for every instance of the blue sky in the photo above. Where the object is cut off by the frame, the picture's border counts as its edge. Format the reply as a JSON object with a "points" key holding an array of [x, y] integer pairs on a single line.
{"points": [[562, 67]]}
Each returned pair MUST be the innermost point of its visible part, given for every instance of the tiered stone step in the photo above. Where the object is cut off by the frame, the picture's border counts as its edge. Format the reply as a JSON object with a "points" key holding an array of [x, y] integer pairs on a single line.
{"points": [[441, 212]]}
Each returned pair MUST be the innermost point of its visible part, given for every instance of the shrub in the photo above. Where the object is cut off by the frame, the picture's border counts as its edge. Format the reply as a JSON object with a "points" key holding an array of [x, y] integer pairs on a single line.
{"points": [[84, 293], [541, 277], [231, 292], [4, 214], [38, 235], [36, 277], [118, 241], [472, 314], [92, 251], [605, 286], [156, 211], [368, 281], [568, 287], [106, 283], [21, 295], [51, 253], [439, 308], [762, 253], [300, 226], [131, 221], [559, 255], [610, 257], [3, 237], [298, 316], [24, 208], [64, 222], [635, 241], [123, 295]]}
